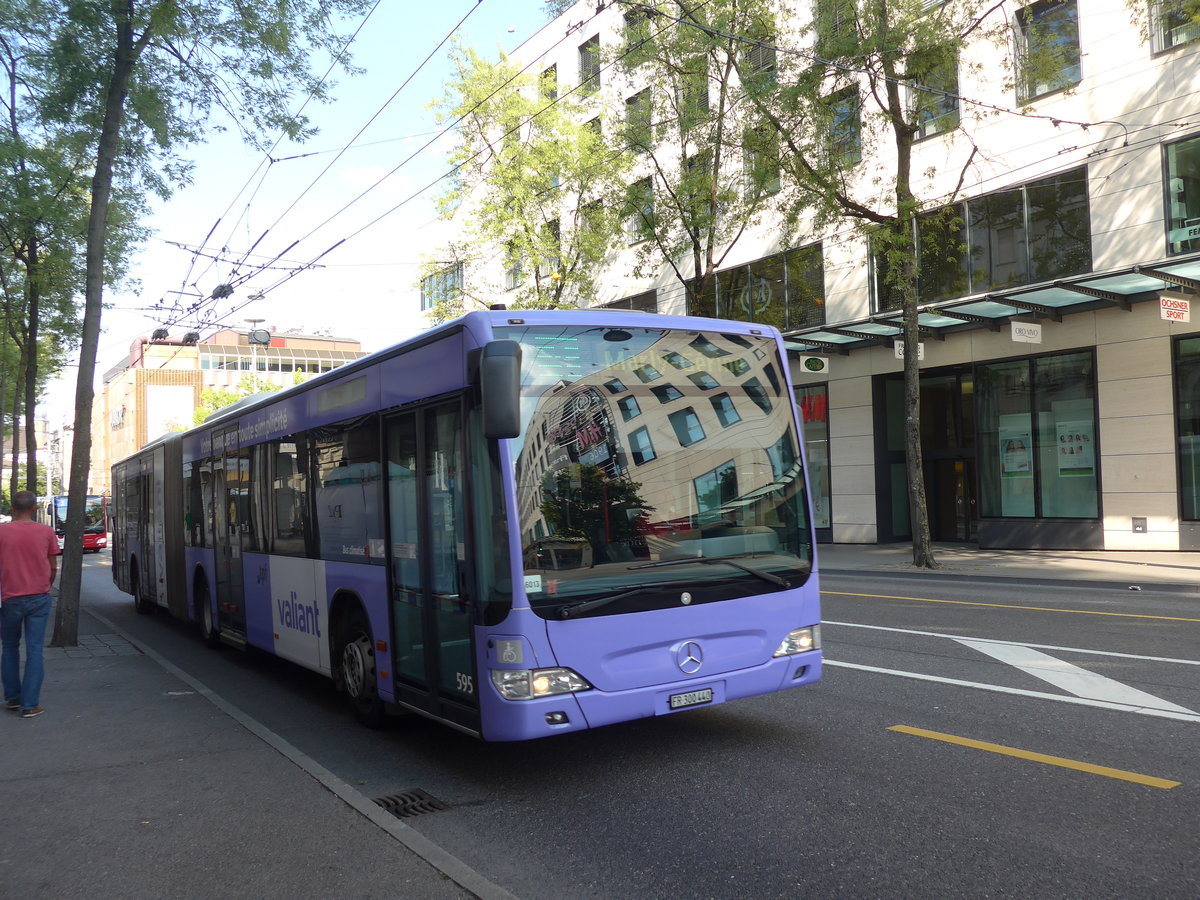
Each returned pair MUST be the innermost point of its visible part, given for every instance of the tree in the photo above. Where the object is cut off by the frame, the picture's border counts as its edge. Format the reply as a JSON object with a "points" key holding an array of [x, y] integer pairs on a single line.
{"points": [[706, 157], [137, 79], [857, 87], [582, 501], [532, 180]]}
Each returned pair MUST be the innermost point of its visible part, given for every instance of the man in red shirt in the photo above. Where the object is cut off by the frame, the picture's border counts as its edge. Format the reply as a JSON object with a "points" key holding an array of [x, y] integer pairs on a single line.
{"points": [[28, 563]]}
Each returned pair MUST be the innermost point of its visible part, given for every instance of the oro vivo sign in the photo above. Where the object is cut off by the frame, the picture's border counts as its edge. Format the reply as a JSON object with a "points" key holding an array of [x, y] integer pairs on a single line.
{"points": [[1174, 308]]}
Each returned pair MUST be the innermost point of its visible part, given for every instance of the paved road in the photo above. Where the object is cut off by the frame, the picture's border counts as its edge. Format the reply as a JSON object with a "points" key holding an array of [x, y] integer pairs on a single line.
{"points": [[968, 740]]}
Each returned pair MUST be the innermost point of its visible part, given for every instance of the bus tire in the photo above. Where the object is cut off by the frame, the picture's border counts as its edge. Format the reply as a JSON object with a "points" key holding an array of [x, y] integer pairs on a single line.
{"points": [[142, 604], [208, 628], [356, 668]]}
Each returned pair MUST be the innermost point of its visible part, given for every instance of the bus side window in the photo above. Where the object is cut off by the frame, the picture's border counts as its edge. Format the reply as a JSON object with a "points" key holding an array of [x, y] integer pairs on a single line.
{"points": [[289, 490]]}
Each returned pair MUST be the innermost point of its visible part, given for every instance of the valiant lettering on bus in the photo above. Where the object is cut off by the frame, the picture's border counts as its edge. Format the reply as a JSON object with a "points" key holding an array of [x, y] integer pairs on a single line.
{"points": [[301, 617]]}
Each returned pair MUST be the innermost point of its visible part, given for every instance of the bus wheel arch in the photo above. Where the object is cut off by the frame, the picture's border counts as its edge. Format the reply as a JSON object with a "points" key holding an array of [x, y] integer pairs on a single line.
{"points": [[354, 666]]}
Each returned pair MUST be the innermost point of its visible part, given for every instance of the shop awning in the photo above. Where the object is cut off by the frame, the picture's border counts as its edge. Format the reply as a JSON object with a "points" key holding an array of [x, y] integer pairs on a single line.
{"points": [[1048, 301]]}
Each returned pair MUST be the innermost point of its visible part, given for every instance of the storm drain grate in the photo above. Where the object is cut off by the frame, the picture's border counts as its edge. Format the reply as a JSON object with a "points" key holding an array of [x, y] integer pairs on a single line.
{"points": [[407, 804]]}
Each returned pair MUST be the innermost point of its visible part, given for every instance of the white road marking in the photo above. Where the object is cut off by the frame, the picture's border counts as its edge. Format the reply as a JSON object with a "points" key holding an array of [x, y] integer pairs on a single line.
{"points": [[1039, 695], [956, 637], [1071, 678]]}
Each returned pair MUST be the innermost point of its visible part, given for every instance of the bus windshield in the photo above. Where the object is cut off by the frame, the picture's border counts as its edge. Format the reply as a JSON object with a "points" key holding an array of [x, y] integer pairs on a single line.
{"points": [[655, 467], [93, 515]]}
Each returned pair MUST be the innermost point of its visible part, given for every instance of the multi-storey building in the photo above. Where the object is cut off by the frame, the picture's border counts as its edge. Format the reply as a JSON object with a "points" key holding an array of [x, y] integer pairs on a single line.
{"points": [[158, 387], [1060, 366]]}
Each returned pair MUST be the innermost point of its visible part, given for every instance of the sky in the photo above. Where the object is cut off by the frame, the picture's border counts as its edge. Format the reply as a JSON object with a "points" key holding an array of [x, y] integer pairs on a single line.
{"points": [[371, 197]]}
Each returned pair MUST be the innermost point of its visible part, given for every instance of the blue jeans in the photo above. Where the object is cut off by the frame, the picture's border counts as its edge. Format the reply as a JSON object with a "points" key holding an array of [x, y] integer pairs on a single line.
{"points": [[31, 614]]}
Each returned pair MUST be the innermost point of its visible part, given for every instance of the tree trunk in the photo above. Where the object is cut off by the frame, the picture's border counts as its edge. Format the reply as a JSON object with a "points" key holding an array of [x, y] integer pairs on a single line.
{"points": [[33, 293], [66, 620]]}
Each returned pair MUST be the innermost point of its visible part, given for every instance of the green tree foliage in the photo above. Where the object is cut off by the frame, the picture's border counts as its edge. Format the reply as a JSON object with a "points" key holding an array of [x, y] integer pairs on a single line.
{"points": [[581, 501], [694, 134], [532, 178], [856, 89], [213, 399], [138, 81]]}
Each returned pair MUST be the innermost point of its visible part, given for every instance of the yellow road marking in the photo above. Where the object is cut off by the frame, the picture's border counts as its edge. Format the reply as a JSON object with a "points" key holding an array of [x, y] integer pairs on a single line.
{"points": [[1078, 612], [1121, 774]]}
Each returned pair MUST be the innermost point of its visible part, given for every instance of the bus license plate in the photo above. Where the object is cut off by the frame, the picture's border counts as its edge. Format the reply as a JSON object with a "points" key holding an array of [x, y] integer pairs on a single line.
{"points": [[691, 698]]}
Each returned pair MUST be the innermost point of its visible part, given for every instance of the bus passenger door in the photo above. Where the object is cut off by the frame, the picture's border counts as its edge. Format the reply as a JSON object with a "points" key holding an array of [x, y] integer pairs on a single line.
{"points": [[434, 660], [229, 506]]}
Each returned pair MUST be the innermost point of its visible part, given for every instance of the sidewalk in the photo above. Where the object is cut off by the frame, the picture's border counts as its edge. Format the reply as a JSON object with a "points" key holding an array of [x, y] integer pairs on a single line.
{"points": [[138, 783], [1149, 571]]}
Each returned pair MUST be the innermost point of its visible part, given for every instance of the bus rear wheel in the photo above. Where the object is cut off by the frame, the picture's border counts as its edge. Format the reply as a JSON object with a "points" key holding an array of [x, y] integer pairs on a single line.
{"points": [[208, 628], [357, 670], [142, 604]]}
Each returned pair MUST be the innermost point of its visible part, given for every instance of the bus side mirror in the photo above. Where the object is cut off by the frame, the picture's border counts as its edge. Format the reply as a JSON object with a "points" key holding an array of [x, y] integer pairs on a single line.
{"points": [[500, 389]]}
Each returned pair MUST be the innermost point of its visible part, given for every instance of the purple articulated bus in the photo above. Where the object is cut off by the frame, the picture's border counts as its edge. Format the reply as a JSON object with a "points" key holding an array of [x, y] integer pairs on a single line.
{"points": [[520, 523]]}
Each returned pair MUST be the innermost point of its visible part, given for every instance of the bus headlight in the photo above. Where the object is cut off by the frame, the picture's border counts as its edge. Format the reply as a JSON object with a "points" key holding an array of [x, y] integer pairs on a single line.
{"points": [[529, 684], [801, 641]]}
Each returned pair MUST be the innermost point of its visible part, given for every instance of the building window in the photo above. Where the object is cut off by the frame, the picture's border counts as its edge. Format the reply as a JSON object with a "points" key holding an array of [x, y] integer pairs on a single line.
{"points": [[589, 66], [514, 273], [759, 66], [548, 83], [708, 348], [677, 360], [636, 34], [704, 381], [640, 446], [845, 126], [615, 386], [714, 489], [1037, 232], [647, 302], [443, 286], [1173, 23], [639, 121], [834, 21], [1187, 415], [760, 161], [933, 96], [687, 427], [1037, 437], [647, 373], [722, 405], [666, 393], [1183, 195], [757, 394], [639, 211], [629, 408], [1047, 42], [693, 91], [786, 290]]}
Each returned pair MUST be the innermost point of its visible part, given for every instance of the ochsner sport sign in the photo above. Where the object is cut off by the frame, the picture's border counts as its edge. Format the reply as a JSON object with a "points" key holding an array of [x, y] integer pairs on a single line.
{"points": [[1174, 308]]}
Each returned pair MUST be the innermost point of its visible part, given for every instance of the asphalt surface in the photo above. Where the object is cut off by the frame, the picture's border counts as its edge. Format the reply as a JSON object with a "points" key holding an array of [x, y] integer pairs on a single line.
{"points": [[139, 781]]}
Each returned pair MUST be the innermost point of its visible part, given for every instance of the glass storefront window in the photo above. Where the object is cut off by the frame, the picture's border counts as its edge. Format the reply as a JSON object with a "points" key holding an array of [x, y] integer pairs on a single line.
{"points": [[814, 410], [1183, 196], [1037, 437], [1187, 411]]}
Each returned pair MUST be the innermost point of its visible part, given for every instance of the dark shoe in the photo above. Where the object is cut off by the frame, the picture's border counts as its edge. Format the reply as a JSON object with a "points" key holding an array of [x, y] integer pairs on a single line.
{"points": [[14, 705], [30, 713]]}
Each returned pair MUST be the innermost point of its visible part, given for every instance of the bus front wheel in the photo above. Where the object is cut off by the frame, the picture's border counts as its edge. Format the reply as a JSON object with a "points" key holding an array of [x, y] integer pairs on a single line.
{"points": [[357, 670]]}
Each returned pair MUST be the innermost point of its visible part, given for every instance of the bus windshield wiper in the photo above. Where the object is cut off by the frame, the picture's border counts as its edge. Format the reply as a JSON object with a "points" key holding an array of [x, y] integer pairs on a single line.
{"points": [[710, 560], [578, 609]]}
